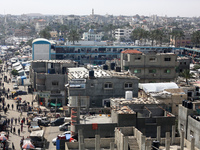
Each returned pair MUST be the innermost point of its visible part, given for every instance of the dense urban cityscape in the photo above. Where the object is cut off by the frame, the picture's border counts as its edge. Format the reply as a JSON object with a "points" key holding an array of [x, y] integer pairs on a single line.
{"points": [[99, 82]]}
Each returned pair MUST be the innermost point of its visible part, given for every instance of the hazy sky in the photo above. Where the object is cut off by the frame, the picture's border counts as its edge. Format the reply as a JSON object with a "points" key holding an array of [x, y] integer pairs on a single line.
{"points": [[183, 8]]}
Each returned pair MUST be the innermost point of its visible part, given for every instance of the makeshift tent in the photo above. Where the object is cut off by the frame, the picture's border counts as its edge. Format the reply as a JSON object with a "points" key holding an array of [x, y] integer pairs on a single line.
{"points": [[157, 87]]}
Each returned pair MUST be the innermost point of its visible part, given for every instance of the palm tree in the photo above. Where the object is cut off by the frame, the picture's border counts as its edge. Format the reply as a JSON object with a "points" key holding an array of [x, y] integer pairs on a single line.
{"points": [[45, 34], [196, 37], [177, 34], [73, 36], [138, 34], [186, 74], [63, 29]]}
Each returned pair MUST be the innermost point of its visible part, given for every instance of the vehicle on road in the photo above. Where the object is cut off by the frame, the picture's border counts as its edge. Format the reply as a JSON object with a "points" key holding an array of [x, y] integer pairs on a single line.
{"points": [[20, 92], [66, 135], [64, 127], [38, 138], [44, 121], [13, 80], [15, 86], [58, 121]]}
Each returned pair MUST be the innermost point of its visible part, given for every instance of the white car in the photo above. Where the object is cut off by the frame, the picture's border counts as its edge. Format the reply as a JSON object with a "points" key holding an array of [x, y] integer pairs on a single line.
{"points": [[64, 127], [64, 133], [15, 86]]}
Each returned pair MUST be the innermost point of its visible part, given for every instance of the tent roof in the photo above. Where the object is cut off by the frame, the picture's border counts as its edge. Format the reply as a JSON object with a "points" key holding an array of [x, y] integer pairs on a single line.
{"points": [[157, 87]]}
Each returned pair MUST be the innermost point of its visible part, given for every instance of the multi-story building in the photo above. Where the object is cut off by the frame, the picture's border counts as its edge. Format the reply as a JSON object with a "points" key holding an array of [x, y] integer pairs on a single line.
{"points": [[40, 25], [123, 33], [48, 79], [91, 87], [92, 36], [156, 67]]}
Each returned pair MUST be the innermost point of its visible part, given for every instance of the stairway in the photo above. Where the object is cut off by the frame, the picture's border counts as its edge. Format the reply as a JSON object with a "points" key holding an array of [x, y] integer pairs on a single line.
{"points": [[132, 142]]}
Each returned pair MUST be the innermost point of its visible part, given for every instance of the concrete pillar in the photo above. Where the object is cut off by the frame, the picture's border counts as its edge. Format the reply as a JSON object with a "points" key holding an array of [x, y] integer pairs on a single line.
{"points": [[182, 139], [125, 143], [80, 138], [167, 141], [173, 134], [192, 143], [143, 142], [82, 146], [158, 133], [97, 142], [148, 145], [112, 146]]}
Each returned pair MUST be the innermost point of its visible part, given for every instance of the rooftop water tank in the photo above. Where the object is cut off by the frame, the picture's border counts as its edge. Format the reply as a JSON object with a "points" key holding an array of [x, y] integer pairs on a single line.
{"points": [[129, 95]]}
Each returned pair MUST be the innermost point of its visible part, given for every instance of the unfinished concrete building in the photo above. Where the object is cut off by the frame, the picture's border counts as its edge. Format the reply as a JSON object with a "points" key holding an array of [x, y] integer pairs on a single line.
{"points": [[48, 79]]}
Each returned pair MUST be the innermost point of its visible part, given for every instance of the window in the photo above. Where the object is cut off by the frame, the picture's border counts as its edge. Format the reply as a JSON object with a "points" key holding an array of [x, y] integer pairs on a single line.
{"points": [[152, 71], [92, 84], [167, 71], [137, 70], [181, 126], [137, 58], [191, 133], [55, 83], [184, 63], [128, 85], [168, 59], [108, 85], [153, 59]]}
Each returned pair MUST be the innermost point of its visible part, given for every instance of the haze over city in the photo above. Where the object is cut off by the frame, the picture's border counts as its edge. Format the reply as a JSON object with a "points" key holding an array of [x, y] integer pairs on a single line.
{"points": [[171, 8]]}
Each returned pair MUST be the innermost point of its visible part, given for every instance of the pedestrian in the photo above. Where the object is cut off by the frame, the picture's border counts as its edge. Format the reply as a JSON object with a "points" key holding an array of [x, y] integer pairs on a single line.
{"points": [[12, 106], [13, 147], [7, 95], [19, 131], [8, 135], [8, 121], [0, 116], [11, 129], [21, 127], [21, 111], [23, 120], [8, 90], [15, 121], [12, 119], [19, 120], [8, 105], [14, 130]]}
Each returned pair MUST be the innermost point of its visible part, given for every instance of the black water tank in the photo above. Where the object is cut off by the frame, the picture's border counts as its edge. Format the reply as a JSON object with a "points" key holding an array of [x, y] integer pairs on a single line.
{"points": [[118, 69], [156, 145], [112, 66], [183, 103], [105, 67], [190, 105], [91, 73]]}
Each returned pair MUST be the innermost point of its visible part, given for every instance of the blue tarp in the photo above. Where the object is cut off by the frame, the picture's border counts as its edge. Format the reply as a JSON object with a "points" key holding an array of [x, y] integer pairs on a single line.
{"points": [[68, 136]]}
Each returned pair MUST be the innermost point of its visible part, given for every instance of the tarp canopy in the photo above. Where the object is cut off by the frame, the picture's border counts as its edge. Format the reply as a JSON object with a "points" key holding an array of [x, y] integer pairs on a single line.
{"points": [[157, 87], [53, 104], [39, 133]]}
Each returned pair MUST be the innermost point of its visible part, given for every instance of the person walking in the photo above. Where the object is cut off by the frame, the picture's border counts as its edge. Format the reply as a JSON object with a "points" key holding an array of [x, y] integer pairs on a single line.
{"points": [[21, 127], [19, 131], [8, 106], [19, 120], [14, 130], [12, 119], [13, 146], [11, 129], [15, 121], [8, 121], [12, 106]]}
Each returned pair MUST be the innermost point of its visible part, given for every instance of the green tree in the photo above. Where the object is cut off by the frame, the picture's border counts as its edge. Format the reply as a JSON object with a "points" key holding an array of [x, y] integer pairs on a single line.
{"points": [[17, 53], [186, 74], [63, 30], [73, 36], [14, 72], [138, 34], [196, 38], [177, 34]]}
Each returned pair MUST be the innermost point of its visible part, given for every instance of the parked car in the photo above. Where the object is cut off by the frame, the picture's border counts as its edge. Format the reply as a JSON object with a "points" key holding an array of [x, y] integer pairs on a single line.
{"points": [[64, 127], [15, 86], [42, 121], [66, 135], [57, 122], [13, 80], [20, 92]]}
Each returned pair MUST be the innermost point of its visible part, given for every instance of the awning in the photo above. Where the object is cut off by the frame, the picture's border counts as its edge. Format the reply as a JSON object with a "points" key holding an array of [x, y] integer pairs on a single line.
{"points": [[53, 104]]}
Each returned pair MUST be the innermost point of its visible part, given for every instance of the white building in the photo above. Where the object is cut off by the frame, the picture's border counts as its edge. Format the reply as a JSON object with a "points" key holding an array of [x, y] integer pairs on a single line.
{"points": [[92, 36], [123, 33]]}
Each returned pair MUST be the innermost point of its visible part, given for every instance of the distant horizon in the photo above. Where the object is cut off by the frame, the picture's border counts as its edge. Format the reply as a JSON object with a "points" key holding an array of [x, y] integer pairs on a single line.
{"points": [[169, 8]]}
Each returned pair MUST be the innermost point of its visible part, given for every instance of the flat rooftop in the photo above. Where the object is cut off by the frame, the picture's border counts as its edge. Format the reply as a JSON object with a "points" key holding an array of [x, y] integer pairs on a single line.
{"points": [[54, 61], [97, 118]]}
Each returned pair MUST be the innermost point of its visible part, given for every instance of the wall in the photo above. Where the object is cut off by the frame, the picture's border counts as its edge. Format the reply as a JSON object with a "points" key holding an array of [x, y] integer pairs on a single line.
{"points": [[194, 127], [104, 130]]}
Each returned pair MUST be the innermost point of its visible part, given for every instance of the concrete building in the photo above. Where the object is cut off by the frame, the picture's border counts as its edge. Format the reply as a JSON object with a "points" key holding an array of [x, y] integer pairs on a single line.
{"points": [[48, 79], [40, 25], [123, 34], [157, 67], [167, 93], [189, 122], [93, 86], [92, 36], [184, 63]]}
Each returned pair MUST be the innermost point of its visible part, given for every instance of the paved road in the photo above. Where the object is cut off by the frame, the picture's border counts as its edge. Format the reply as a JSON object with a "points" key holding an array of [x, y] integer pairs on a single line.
{"points": [[50, 132]]}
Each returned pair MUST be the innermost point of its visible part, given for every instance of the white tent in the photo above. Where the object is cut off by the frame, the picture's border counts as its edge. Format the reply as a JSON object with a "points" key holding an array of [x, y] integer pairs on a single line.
{"points": [[157, 87]]}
